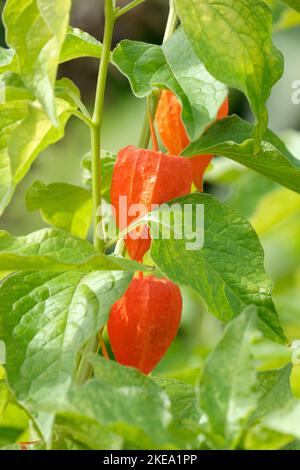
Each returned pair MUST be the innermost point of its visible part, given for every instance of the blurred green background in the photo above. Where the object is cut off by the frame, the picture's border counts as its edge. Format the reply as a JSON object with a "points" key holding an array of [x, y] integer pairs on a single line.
{"points": [[274, 211]]}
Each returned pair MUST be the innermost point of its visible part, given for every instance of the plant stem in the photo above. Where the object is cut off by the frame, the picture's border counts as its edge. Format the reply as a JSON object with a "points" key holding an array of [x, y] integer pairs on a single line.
{"points": [[83, 118], [85, 369], [154, 97], [119, 248], [102, 346], [128, 7], [151, 118], [121, 235], [97, 119], [172, 21]]}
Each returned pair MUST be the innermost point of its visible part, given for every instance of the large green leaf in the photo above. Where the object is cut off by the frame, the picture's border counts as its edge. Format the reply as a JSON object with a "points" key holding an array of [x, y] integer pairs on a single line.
{"points": [[293, 4], [228, 272], [36, 29], [233, 38], [174, 66], [79, 44], [56, 250], [231, 138], [46, 319], [25, 131], [62, 205], [227, 387], [119, 400]]}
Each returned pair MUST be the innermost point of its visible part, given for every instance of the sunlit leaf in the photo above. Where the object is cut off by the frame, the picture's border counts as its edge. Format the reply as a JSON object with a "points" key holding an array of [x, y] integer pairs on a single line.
{"points": [[233, 38], [62, 205]]}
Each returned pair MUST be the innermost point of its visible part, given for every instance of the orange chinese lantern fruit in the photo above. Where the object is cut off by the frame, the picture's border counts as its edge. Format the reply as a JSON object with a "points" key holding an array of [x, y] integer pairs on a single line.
{"points": [[144, 322], [145, 178], [174, 135]]}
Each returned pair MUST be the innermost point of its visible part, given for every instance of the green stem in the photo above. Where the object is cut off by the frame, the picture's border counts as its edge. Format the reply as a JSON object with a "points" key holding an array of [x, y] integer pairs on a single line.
{"points": [[97, 119], [84, 370], [172, 21], [83, 118], [154, 97], [121, 235], [119, 248], [127, 8]]}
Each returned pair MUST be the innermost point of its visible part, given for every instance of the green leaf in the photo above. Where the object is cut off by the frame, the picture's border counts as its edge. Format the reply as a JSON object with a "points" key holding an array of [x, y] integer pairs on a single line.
{"points": [[247, 192], [277, 429], [286, 420], [108, 161], [233, 38], [36, 29], [8, 61], [184, 403], [12, 88], [4, 395], [275, 208], [56, 250], [185, 411], [79, 44], [46, 319], [227, 387], [63, 442], [261, 438], [68, 91], [174, 66], [25, 131], [62, 205], [11, 447], [88, 434], [13, 425], [293, 4], [228, 271], [231, 138], [295, 445], [274, 390], [119, 400], [270, 355], [288, 19], [12, 115]]}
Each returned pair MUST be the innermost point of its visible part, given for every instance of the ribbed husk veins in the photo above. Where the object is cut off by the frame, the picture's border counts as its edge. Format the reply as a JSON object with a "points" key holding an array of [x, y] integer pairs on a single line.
{"points": [[174, 136], [144, 322], [145, 178]]}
